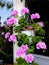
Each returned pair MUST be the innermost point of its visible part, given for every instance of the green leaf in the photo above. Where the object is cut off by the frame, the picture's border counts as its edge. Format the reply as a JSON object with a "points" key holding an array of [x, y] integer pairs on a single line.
{"points": [[36, 26], [34, 63], [15, 63], [25, 63], [22, 20], [36, 39], [30, 50], [23, 39], [17, 28], [19, 60]]}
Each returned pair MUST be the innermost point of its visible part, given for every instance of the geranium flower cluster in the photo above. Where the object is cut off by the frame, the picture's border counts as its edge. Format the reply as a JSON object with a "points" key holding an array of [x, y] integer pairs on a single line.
{"points": [[11, 21], [21, 52], [34, 16], [25, 10], [41, 45], [10, 37], [14, 13], [29, 58]]}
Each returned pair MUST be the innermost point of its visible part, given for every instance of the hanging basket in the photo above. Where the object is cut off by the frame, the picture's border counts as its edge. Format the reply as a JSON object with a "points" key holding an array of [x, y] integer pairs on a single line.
{"points": [[28, 32]]}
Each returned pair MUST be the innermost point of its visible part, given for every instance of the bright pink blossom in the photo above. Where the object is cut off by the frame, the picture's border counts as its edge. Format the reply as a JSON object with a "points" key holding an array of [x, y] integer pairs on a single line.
{"points": [[12, 38], [24, 48], [21, 52], [34, 16], [41, 45], [40, 24], [11, 21], [29, 58], [15, 12], [7, 35], [24, 10], [37, 15], [30, 27]]}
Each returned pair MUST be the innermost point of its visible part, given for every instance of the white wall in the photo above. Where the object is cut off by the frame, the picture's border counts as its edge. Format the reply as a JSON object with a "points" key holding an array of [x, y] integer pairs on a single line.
{"points": [[18, 5]]}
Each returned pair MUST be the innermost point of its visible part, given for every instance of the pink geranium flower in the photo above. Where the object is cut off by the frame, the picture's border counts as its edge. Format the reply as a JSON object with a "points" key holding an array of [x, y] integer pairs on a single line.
{"points": [[11, 21], [37, 15], [7, 35], [21, 52], [29, 58], [34, 16], [24, 10], [41, 45], [12, 38], [30, 27], [40, 24], [15, 12], [24, 47]]}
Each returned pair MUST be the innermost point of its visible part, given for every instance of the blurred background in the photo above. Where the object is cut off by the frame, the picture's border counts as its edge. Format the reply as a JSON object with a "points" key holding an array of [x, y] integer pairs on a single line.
{"points": [[6, 47]]}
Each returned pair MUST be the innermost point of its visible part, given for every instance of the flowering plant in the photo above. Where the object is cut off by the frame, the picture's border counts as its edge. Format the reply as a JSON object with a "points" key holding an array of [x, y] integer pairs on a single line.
{"points": [[26, 22], [24, 57]]}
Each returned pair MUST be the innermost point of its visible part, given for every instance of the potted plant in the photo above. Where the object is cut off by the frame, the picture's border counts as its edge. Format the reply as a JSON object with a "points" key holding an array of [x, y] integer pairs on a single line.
{"points": [[30, 35]]}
